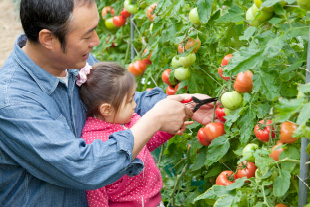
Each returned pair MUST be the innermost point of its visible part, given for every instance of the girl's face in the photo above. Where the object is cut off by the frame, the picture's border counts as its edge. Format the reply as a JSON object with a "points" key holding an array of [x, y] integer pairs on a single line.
{"points": [[126, 109]]}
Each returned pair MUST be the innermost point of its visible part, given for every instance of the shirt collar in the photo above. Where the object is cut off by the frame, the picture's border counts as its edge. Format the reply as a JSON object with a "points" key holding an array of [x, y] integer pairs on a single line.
{"points": [[46, 81]]}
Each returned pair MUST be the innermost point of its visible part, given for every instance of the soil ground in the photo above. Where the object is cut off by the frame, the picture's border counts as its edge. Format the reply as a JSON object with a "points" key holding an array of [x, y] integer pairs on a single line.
{"points": [[10, 27]]}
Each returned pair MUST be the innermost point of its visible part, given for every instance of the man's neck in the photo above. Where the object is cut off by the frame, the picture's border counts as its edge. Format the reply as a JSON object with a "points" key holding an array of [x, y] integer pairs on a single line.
{"points": [[40, 56]]}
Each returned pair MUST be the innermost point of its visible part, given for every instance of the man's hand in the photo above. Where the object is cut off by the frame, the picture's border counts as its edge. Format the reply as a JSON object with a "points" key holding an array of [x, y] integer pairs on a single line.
{"points": [[171, 115], [204, 114]]}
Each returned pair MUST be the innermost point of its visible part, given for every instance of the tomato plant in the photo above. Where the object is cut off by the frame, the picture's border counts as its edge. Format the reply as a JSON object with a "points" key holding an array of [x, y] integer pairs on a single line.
{"points": [[150, 12], [190, 43], [119, 21], [244, 82], [220, 113], [193, 16], [237, 36], [248, 152], [286, 132], [226, 177], [276, 151], [131, 8], [246, 169], [188, 60], [220, 71], [137, 68], [231, 100], [263, 130], [202, 138], [182, 73], [107, 11], [226, 59], [147, 60], [125, 13], [213, 130]]}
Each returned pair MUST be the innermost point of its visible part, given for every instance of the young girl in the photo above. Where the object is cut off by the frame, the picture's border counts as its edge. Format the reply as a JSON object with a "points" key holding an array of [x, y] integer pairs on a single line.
{"points": [[108, 91]]}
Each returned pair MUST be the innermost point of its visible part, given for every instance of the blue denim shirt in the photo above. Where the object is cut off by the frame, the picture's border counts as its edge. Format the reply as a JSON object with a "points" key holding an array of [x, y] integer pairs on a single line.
{"points": [[43, 160]]}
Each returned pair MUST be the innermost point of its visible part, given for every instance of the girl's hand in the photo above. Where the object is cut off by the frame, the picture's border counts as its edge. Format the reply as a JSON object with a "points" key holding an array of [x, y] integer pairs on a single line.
{"points": [[183, 128]]}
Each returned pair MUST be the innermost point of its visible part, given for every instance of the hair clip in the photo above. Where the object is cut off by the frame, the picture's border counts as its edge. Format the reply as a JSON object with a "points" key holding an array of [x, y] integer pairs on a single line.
{"points": [[82, 75]]}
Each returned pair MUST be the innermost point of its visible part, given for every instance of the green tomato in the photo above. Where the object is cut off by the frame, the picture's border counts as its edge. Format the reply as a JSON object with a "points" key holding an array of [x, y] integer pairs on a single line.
{"points": [[231, 100], [304, 4], [188, 60], [182, 74], [175, 62], [193, 16], [131, 8], [227, 111], [109, 23], [249, 15], [254, 9], [258, 3], [248, 152]]}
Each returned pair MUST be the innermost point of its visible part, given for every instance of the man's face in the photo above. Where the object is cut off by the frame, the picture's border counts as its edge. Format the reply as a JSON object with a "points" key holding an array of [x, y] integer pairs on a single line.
{"points": [[80, 39]]}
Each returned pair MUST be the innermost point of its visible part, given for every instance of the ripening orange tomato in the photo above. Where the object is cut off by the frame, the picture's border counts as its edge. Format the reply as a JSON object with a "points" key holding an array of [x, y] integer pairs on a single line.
{"points": [[286, 132]]}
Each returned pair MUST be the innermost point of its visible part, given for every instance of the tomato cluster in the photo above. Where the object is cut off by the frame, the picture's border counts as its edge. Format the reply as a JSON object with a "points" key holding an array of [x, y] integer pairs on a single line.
{"points": [[112, 22]]}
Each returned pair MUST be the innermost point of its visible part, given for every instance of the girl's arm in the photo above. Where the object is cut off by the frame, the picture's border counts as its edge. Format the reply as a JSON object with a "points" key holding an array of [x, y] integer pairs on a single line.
{"points": [[158, 139]]}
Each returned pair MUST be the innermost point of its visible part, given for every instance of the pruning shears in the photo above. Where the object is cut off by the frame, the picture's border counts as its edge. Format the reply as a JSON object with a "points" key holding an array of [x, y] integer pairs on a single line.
{"points": [[199, 102]]}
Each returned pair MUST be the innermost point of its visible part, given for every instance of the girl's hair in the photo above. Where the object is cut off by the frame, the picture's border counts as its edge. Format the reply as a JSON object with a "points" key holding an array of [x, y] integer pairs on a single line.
{"points": [[109, 83]]}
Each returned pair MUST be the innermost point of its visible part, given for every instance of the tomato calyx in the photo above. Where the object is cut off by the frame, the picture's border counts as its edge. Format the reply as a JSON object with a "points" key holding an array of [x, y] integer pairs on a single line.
{"points": [[231, 177], [243, 165]]}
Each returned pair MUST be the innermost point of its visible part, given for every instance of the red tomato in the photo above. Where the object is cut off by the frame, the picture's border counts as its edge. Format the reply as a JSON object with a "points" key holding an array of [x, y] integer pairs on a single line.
{"points": [[147, 60], [280, 205], [219, 111], [196, 43], [226, 177], [202, 139], [263, 133], [165, 76], [275, 153], [107, 10], [119, 21], [171, 91], [286, 132], [137, 68], [213, 130], [246, 169], [125, 13], [220, 70], [226, 59], [150, 12], [244, 82]]}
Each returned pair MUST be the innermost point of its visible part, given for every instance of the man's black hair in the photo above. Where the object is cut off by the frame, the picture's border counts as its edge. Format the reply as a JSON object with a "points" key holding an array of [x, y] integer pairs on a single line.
{"points": [[53, 15]]}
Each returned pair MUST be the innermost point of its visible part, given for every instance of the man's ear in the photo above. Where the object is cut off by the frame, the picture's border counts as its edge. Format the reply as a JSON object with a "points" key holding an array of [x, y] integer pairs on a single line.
{"points": [[105, 109], [47, 39]]}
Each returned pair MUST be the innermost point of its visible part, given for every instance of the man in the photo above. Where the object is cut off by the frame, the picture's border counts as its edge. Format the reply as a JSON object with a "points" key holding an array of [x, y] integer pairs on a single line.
{"points": [[43, 160]]}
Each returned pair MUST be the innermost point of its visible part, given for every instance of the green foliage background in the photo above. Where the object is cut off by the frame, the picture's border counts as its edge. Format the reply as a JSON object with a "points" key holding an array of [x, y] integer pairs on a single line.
{"points": [[275, 52]]}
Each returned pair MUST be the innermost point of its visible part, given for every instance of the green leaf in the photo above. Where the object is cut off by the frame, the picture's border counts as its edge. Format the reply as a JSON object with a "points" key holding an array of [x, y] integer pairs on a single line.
{"points": [[204, 8], [265, 82], [209, 194], [213, 171], [217, 149], [286, 108], [294, 66], [226, 200], [304, 114], [263, 109], [304, 88], [244, 59], [291, 152], [247, 125], [199, 161], [282, 183], [248, 33], [235, 15], [274, 46]]}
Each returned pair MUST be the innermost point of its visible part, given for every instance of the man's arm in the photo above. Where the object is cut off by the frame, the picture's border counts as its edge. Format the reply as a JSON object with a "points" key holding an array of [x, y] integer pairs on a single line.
{"points": [[47, 149]]}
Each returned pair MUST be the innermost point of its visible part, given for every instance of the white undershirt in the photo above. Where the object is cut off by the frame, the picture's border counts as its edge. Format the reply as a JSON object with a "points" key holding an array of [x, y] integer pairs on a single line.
{"points": [[65, 79]]}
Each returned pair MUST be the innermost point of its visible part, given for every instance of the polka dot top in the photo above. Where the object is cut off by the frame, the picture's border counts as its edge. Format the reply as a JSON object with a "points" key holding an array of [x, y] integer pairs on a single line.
{"points": [[140, 190]]}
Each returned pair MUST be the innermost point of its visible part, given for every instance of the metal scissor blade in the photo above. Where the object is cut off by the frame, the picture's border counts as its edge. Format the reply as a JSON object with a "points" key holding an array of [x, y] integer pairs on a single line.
{"points": [[202, 102]]}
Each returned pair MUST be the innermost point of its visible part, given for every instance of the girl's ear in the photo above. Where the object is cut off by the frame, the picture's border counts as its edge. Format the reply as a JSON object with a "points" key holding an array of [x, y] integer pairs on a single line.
{"points": [[105, 109]]}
